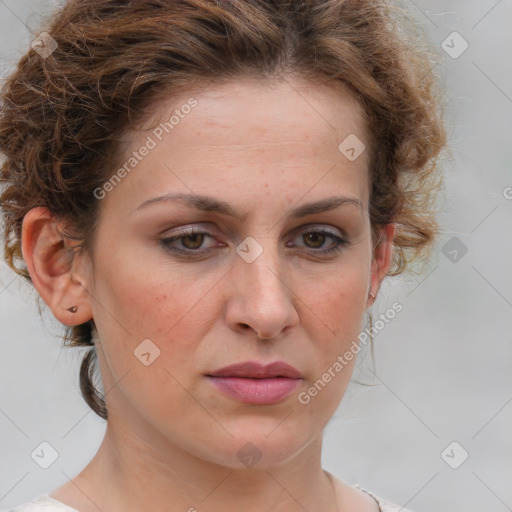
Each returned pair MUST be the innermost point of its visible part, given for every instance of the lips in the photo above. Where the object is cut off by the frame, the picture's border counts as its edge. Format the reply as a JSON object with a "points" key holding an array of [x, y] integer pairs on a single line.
{"points": [[256, 384], [254, 370]]}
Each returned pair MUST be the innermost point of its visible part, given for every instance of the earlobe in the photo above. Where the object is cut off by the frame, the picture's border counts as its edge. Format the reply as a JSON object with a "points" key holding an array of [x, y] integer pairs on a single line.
{"points": [[381, 261], [50, 262]]}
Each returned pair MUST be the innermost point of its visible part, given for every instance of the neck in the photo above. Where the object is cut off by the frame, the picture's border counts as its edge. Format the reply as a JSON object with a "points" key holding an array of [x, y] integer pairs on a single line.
{"points": [[131, 474]]}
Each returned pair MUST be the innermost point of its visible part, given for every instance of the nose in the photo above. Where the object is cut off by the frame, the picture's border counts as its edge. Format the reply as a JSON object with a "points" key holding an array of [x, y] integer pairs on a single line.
{"points": [[261, 300]]}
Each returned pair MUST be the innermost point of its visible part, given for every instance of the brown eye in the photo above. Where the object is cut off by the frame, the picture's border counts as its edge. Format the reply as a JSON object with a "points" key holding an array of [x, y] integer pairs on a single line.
{"points": [[318, 241], [193, 241], [190, 242], [314, 240]]}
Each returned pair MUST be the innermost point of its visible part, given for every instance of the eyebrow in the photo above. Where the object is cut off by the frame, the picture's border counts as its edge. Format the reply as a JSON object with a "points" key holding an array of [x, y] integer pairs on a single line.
{"points": [[210, 204]]}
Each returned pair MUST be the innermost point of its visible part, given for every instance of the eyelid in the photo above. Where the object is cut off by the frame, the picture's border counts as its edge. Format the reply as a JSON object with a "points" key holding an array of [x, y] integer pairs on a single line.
{"points": [[212, 231], [325, 228], [190, 230]]}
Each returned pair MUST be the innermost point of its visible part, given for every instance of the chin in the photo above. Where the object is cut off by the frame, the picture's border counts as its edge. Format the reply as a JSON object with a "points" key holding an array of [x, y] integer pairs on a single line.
{"points": [[260, 449]]}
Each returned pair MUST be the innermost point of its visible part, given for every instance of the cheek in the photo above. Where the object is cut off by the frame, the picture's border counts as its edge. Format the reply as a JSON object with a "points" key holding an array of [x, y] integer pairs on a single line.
{"points": [[336, 307], [338, 298], [151, 296], [172, 314], [171, 307]]}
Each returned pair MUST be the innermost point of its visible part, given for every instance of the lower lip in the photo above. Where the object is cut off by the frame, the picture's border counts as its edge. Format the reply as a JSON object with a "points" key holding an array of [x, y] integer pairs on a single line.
{"points": [[256, 391]]}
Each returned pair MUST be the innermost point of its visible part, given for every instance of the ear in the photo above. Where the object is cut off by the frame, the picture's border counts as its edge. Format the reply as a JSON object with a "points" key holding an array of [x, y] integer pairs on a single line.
{"points": [[52, 263], [381, 261]]}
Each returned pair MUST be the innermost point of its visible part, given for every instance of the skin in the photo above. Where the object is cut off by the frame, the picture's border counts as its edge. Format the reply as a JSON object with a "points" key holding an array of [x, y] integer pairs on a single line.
{"points": [[172, 439]]}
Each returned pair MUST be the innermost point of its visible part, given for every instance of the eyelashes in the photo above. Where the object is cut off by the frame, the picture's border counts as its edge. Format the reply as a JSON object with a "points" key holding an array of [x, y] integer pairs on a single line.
{"points": [[189, 242], [192, 236], [319, 235]]}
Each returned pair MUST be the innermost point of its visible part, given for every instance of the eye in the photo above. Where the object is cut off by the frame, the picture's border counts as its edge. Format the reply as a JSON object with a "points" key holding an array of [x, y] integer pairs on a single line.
{"points": [[189, 241], [315, 239], [320, 241], [193, 241]]}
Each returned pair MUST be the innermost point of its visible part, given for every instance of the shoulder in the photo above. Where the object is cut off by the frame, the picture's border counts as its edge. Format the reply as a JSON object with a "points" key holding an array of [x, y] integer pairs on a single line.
{"points": [[354, 497], [384, 505], [42, 503]]}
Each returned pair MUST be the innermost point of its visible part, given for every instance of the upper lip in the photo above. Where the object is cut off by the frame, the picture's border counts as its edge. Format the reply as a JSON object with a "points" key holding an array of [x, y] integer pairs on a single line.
{"points": [[255, 370]]}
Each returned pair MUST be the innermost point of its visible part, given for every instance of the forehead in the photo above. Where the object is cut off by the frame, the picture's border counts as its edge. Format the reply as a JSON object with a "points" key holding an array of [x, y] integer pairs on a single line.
{"points": [[246, 131], [246, 111]]}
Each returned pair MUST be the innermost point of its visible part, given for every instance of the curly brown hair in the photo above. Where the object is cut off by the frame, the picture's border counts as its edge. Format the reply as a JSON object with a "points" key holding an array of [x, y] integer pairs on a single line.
{"points": [[62, 117]]}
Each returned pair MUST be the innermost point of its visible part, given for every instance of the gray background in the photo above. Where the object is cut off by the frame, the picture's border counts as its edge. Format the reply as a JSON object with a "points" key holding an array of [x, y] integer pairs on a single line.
{"points": [[443, 366]]}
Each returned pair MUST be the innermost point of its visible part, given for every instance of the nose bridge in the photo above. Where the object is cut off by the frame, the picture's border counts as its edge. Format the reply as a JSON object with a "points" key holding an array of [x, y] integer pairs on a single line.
{"points": [[262, 298], [265, 271], [260, 266]]}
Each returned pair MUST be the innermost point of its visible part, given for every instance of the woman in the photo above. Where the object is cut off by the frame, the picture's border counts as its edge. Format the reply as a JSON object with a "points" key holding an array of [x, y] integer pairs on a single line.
{"points": [[210, 194]]}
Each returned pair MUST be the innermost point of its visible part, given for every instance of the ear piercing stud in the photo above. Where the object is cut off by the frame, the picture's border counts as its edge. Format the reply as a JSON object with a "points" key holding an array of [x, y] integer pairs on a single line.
{"points": [[74, 309]]}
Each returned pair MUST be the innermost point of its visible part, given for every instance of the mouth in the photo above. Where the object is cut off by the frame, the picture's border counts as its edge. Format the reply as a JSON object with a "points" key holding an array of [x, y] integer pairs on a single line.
{"points": [[257, 384]]}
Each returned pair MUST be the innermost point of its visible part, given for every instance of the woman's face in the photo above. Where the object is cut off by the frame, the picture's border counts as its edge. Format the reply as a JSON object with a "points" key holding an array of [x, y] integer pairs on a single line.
{"points": [[281, 248]]}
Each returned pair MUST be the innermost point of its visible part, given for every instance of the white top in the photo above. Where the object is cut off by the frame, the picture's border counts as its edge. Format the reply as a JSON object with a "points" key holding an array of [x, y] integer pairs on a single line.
{"points": [[44, 503], [384, 506]]}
